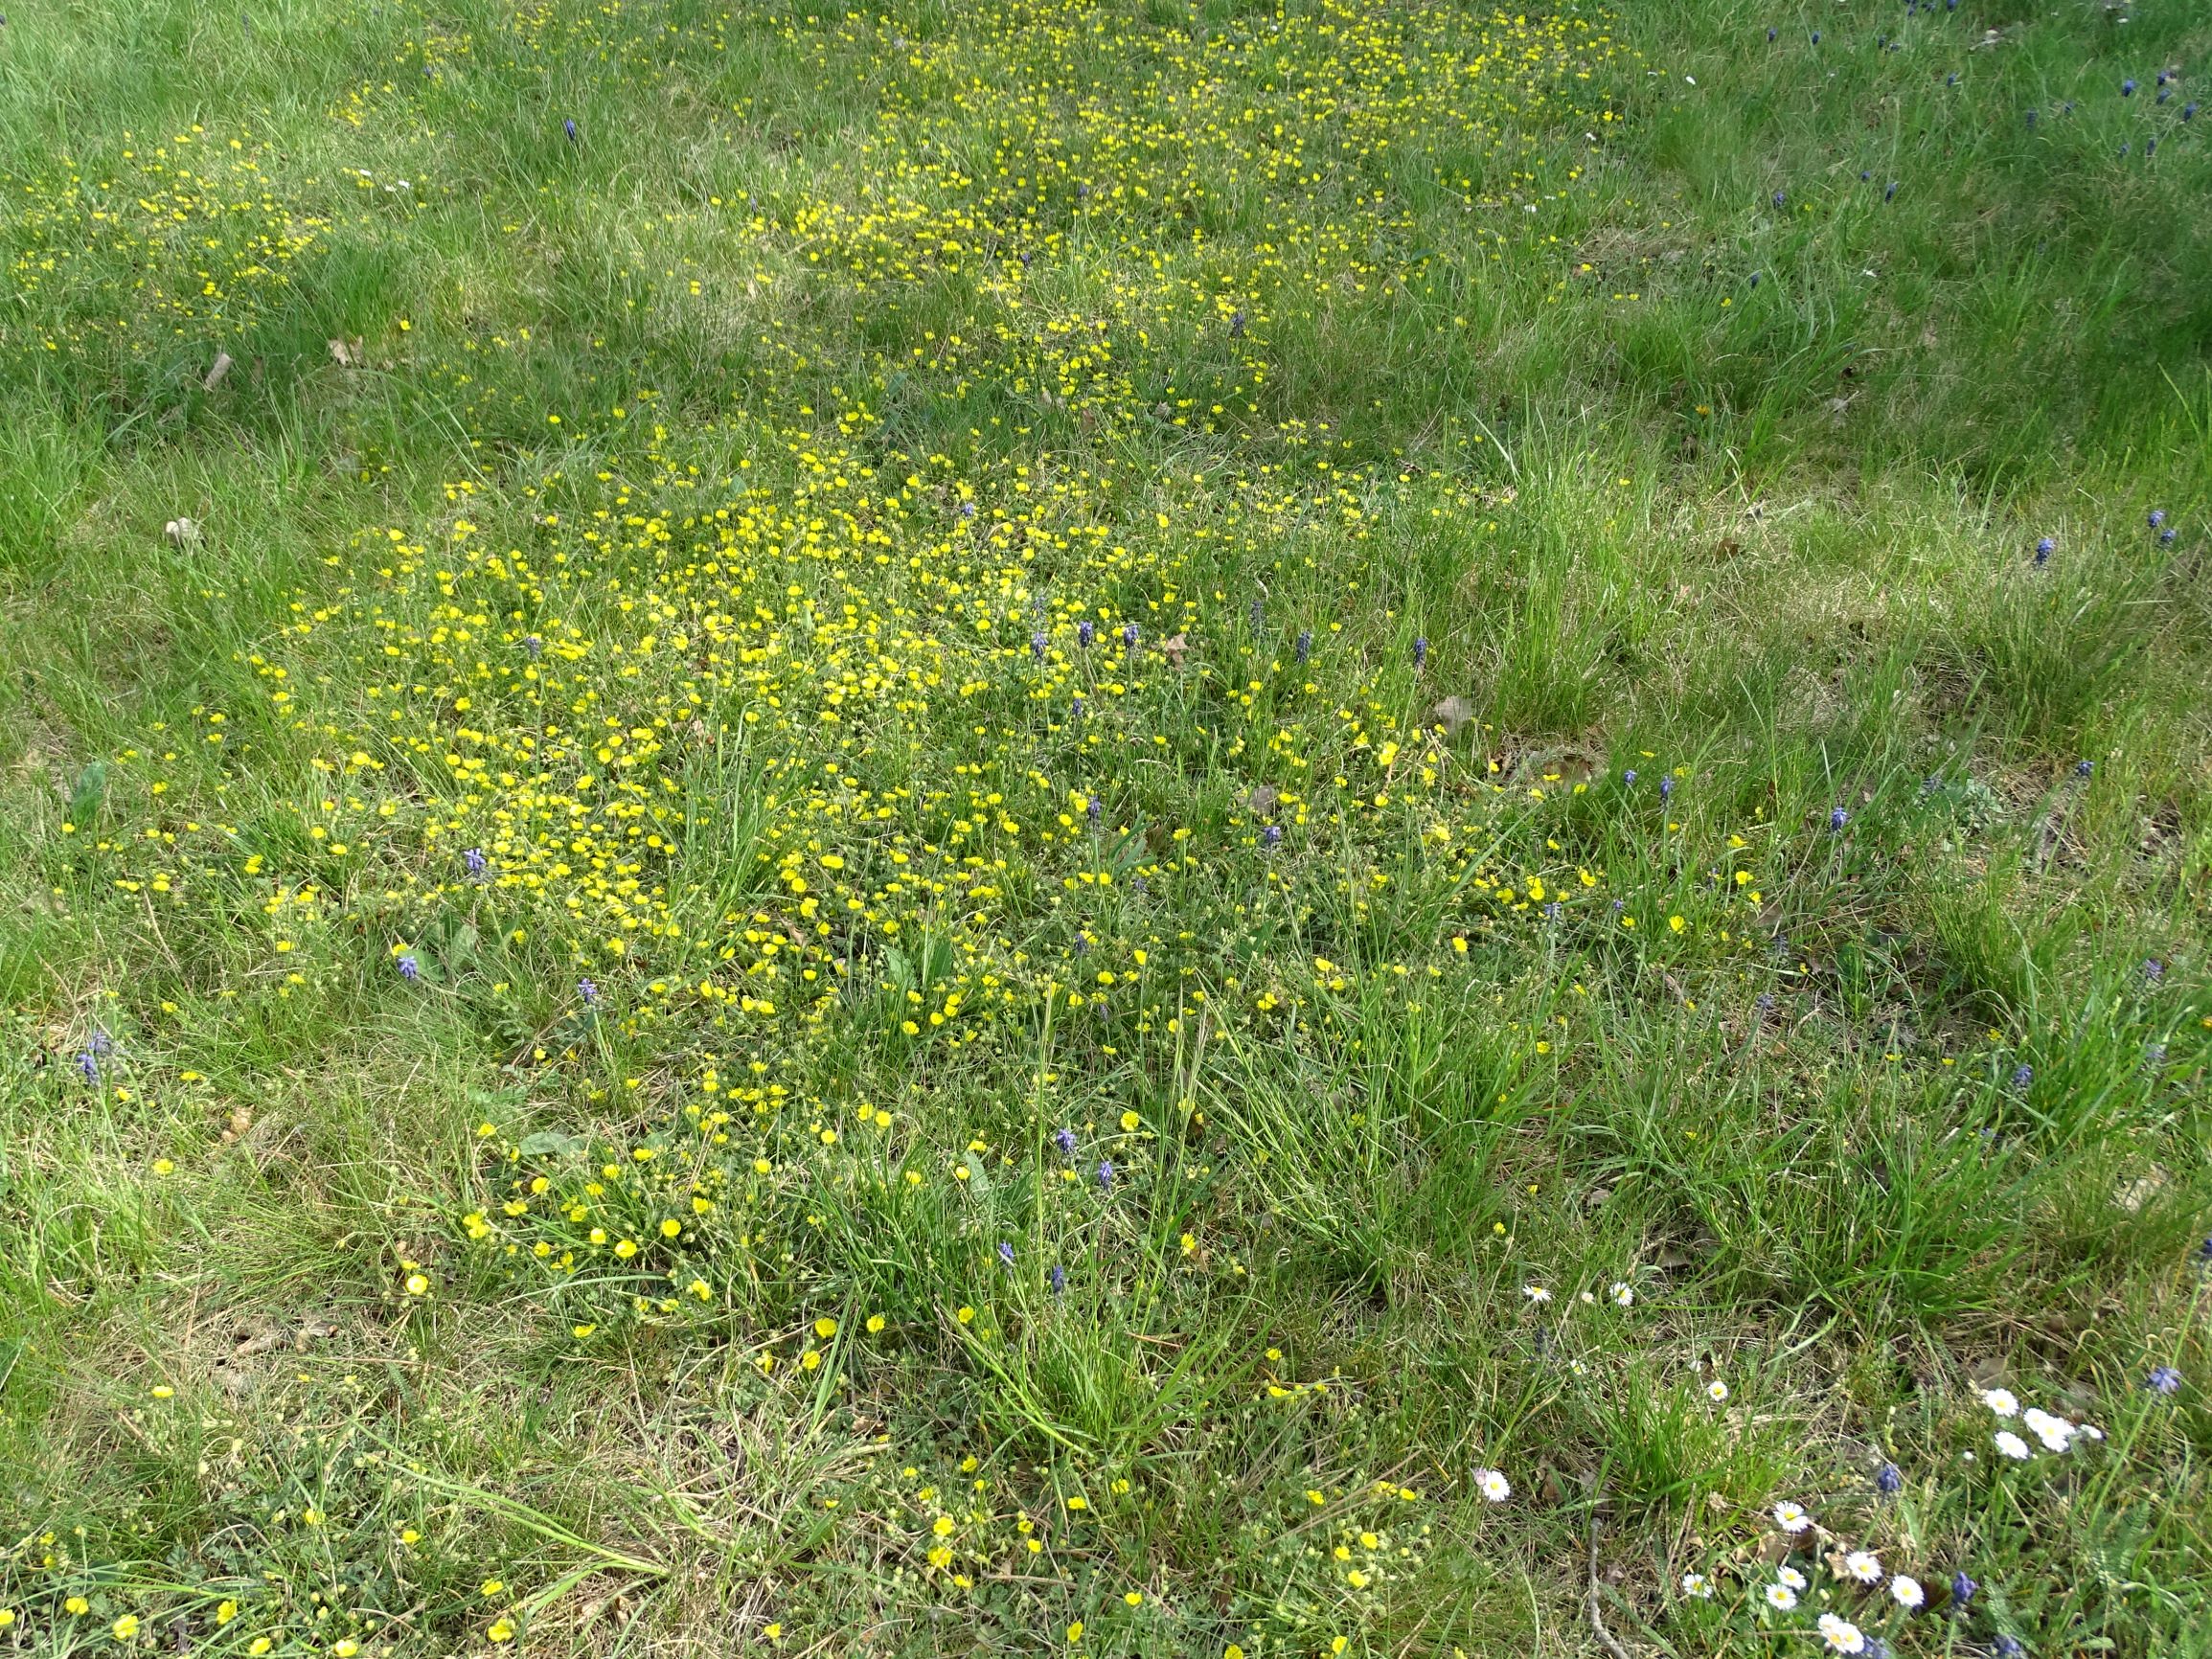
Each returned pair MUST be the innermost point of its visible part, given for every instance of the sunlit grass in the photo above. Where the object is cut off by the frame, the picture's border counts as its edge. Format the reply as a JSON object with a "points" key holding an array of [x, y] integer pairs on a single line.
{"points": [[1099, 829]]}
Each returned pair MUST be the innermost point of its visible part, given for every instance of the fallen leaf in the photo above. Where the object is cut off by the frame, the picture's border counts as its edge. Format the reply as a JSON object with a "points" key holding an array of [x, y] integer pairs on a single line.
{"points": [[216, 373], [1175, 646], [1263, 799]]}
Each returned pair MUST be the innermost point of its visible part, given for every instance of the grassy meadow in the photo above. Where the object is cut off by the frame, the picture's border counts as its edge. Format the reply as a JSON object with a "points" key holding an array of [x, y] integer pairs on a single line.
{"points": [[1106, 828]]}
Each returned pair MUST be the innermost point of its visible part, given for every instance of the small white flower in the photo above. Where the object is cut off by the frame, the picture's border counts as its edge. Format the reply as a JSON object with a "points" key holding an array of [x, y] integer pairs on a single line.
{"points": [[2001, 1400], [1699, 1585], [1624, 1295], [1792, 1517], [1841, 1634], [1717, 1391], [1578, 1368], [1905, 1591], [2012, 1445], [1536, 1293], [2055, 1432], [1588, 1298], [1864, 1565], [1791, 1577], [1492, 1485], [2089, 1431], [1781, 1598]]}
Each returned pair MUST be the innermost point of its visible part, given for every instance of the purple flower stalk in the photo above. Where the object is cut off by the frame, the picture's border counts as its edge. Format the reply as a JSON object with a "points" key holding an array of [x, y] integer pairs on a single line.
{"points": [[410, 969]]}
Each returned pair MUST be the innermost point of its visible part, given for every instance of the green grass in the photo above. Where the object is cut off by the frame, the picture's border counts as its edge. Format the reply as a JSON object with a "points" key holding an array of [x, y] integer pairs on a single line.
{"points": [[631, 1026]]}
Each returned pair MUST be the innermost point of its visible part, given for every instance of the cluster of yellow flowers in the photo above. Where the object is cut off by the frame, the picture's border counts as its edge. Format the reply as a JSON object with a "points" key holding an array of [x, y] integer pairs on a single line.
{"points": [[176, 243]]}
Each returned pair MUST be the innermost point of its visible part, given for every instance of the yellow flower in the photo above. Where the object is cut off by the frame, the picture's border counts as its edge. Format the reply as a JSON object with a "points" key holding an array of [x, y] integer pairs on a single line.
{"points": [[162, 1391], [825, 1328], [965, 1315], [875, 1325], [345, 1647], [1135, 1597], [258, 1644], [1075, 1631], [77, 1606], [1130, 1121], [416, 1285], [492, 1587], [225, 1612], [502, 1629], [126, 1627]]}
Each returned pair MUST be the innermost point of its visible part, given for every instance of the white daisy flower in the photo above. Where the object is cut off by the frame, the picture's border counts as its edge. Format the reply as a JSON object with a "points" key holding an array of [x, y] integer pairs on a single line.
{"points": [[1536, 1293], [1697, 1584], [1905, 1589], [1492, 1485], [2055, 1432], [2001, 1400], [1781, 1598], [2012, 1445], [1588, 1298], [1791, 1577], [1864, 1565], [2089, 1431], [1717, 1391], [1792, 1517], [1624, 1295], [1841, 1634]]}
